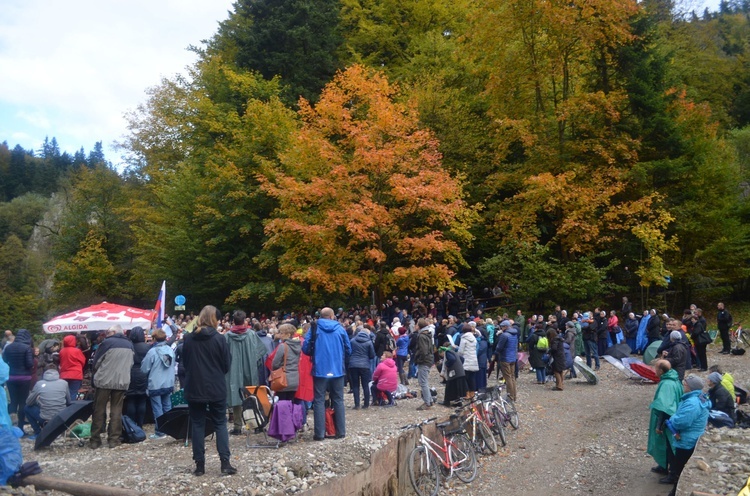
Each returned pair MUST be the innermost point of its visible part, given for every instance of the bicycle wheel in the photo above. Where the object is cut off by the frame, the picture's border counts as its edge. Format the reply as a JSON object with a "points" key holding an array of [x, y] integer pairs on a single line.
{"points": [[745, 338], [462, 451], [488, 440], [423, 472], [510, 410], [498, 419]]}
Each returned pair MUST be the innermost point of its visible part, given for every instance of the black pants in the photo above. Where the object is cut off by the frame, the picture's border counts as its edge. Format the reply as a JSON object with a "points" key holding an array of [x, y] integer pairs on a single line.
{"points": [[136, 408], [676, 462], [700, 351], [726, 344], [216, 414], [18, 392]]}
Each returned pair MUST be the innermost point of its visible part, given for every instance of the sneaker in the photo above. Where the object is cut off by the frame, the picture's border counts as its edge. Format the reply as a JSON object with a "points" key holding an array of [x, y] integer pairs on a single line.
{"points": [[424, 406], [30, 437], [157, 436]]}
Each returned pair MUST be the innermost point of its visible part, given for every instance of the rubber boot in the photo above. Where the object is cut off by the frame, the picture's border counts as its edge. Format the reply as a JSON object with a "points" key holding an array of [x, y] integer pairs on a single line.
{"points": [[200, 468]]}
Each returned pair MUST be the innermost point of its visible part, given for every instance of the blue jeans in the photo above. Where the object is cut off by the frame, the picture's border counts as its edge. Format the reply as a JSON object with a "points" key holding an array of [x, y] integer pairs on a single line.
{"points": [[34, 416], [541, 374], [216, 411], [73, 387], [335, 388], [161, 403], [360, 376], [591, 348]]}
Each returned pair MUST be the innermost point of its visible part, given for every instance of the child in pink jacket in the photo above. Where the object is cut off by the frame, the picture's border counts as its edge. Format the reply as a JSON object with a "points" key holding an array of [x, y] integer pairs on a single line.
{"points": [[385, 378]]}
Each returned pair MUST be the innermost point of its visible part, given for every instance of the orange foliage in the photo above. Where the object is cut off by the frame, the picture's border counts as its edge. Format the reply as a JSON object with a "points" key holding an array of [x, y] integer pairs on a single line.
{"points": [[364, 201]]}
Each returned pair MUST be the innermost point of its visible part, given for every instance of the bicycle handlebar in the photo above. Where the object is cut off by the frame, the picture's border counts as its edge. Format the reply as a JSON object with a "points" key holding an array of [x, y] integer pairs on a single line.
{"points": [[413, 426]]}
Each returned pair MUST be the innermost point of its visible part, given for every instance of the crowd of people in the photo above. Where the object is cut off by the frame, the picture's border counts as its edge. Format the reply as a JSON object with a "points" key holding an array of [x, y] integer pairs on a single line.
{"points": [[214, 356]]}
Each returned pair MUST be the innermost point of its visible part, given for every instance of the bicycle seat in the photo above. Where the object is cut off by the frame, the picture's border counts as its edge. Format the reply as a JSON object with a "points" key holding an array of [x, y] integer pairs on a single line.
{"points": [[481, 396]]}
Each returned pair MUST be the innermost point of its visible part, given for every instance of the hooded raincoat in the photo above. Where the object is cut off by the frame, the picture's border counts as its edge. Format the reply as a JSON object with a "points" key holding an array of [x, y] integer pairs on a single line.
{"points": [[248, 351], [666, 398]]}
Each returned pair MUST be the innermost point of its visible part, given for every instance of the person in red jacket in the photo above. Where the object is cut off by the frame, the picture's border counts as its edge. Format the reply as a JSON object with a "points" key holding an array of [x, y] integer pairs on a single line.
{"points": [[72, 362], [385, 378]]}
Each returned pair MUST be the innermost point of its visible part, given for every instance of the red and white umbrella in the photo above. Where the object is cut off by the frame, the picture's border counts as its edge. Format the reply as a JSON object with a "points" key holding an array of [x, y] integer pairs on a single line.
{"points": [[100, 318]]}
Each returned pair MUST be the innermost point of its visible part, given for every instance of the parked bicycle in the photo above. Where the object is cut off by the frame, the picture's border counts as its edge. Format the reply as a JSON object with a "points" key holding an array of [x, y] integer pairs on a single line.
{"points": [[429, 460], [506, 409], [739, 338], [475, 419]]}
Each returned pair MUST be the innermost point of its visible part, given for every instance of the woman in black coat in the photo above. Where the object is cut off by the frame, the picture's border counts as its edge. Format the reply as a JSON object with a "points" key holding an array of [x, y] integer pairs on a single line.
{"points": [[207, 360], [557, 352], [19, 355]]}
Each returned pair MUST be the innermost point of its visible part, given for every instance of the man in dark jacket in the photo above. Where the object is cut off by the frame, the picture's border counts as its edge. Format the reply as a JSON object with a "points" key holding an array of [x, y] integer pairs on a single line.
{"points": [[422, 350], [207, 360], [112, 364], [653, 328], [330, 350], [382, 339], [724, 322], [506, 353], [677, 354], [135, 396], [19, 355]]}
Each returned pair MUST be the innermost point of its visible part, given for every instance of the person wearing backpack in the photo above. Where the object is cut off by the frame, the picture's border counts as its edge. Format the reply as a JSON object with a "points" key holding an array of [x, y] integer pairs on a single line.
{"points": [[538, 344], [159, 365]]}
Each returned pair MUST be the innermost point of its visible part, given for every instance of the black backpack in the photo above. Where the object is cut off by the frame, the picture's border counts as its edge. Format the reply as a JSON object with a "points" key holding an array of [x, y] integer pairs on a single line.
{"points": [[131, 433]]}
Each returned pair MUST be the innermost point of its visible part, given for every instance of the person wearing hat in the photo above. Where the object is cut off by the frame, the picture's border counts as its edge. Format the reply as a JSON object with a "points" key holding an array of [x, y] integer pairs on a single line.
{"points": [[506, 354], [722, 404], [687, 425]]}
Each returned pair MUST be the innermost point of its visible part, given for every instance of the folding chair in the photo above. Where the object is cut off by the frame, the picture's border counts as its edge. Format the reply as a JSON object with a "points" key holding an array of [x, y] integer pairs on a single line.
{"points": [[257, 403]]}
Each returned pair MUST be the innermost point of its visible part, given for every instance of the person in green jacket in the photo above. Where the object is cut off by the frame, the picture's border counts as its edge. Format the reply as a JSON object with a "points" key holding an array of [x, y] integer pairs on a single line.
{"points": [[666, 399], [248, 353]]}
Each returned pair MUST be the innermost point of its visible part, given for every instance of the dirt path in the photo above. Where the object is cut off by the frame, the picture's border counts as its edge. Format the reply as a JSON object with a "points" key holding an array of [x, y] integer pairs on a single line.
{"points": [[584, 440]]}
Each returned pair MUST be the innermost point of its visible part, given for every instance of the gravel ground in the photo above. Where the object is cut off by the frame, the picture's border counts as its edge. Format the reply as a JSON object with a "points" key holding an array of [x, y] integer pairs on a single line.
{"points": [[584, 440]]}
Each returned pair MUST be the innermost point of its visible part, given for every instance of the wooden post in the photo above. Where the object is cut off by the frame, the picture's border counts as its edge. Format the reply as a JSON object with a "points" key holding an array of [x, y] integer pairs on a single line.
{"points": [[75, 488]]}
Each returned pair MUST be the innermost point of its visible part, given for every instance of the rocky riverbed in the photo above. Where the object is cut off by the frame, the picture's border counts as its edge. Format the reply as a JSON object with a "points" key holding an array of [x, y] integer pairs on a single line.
{"points": [[583, 440]]}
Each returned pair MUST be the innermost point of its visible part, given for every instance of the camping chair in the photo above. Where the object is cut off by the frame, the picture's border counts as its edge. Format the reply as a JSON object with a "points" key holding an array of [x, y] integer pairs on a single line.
{"points": [[257, 403]]}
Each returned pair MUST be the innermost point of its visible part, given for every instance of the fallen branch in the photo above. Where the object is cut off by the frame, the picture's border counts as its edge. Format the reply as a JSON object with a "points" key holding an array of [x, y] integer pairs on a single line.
{"points": [[75, 488]]}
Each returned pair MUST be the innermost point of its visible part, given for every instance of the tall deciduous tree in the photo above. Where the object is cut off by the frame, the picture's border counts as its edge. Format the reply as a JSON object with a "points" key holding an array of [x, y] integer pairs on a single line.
{"points": [[198, 144], [364, 202]]}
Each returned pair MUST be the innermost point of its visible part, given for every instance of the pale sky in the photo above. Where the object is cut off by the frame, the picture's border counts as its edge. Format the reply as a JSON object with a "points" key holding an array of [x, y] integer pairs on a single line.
{"points": [[70, 69]]}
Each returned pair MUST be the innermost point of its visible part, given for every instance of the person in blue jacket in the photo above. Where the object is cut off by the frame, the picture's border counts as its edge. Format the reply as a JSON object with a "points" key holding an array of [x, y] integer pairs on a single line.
{"points": [[360, 374], [327, 343], [159, 366], [687, 426], [402, 352], [506, 353]]}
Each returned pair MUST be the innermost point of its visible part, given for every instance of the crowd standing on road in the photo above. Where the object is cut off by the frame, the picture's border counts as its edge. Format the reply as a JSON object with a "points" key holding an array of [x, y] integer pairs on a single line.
{"points": [[214, 358]]}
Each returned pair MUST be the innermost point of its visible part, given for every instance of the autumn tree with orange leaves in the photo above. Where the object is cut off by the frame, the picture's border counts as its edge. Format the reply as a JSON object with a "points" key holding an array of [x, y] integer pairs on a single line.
{"points": [[363, 200]]}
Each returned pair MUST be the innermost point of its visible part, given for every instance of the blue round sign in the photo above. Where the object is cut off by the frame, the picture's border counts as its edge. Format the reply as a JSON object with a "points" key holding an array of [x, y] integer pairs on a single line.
{"points": [[179, 300]]}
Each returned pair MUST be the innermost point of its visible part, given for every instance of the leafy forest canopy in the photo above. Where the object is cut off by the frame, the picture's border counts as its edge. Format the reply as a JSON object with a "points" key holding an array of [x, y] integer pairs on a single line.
{"points": [[332, 150]]}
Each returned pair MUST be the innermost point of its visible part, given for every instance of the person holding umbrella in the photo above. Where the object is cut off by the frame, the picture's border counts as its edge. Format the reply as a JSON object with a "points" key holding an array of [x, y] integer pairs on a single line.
{"points": [[207, 360]]}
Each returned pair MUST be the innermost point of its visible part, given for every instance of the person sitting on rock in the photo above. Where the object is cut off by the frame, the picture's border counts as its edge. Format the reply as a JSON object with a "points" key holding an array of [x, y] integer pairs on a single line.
{"points": [[385, 378], [722, 405]]}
